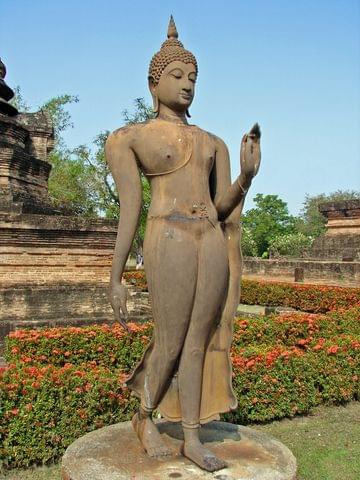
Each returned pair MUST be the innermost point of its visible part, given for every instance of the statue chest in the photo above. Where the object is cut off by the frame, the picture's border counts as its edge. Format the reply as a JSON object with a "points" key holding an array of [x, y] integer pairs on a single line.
{"points": [[171, 149]]}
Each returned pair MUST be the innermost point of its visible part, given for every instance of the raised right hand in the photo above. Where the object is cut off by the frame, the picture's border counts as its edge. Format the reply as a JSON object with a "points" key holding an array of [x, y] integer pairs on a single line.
{"points": [[118, 297], [250, 154]]}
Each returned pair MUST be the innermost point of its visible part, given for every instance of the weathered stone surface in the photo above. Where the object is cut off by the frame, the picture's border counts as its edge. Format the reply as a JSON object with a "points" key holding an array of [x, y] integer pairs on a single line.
{"points": [[342, 238], [25, 143], [114, 453]]}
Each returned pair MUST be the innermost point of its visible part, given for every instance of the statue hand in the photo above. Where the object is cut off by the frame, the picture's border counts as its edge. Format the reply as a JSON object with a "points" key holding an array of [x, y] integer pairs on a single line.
{"points": [[250, 154], [118, 298]]}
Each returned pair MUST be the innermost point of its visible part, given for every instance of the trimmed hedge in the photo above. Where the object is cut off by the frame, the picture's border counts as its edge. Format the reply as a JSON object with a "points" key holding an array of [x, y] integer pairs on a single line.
{"points": [[102, 345], [309, 298], [44, 409], [305, 297], [63, 382]]}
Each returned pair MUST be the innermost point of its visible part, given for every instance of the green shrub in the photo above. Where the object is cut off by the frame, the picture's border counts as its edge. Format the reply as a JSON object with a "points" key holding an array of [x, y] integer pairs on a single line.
{"points": [[248, 244], [306, 297], [44, 409], [282, 365], [290, 245], [106, 346], [309, 298]]}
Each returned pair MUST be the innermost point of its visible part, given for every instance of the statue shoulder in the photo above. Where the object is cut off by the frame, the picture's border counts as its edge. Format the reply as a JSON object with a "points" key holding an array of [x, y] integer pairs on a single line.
{"points": [[220, 145], [127, 134], [122, 135]]}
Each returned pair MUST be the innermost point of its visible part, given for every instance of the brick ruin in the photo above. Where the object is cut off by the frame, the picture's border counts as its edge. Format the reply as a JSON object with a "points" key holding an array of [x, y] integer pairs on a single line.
{"points": [[334, 257], [54, 268], [342, 238]]}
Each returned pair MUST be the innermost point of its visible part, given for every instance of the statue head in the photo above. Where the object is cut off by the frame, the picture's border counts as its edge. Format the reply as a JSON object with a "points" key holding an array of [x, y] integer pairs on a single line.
{"points": [[172, 74], [2, 69]]}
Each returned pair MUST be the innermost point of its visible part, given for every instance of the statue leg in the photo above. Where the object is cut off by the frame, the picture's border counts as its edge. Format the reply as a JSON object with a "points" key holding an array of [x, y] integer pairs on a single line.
{"points": [[210, 291], [170, 254]]}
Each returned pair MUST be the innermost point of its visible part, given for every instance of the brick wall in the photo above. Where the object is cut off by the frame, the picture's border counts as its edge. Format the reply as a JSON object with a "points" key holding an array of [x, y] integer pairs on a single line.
{"points": [[329, 272]]}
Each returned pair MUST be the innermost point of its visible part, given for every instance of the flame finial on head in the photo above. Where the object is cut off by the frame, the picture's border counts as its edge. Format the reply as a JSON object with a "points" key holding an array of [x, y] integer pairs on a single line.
{"points": [[171, 50], [172, 32]]}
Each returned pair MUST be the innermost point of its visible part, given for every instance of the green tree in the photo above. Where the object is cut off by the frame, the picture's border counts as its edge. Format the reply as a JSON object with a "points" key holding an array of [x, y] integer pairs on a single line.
{"points": [[18, 100], [248, 244], [290, 245], [268, 219], [80, 182], [311, 222], [107, 199], [60, 116]]}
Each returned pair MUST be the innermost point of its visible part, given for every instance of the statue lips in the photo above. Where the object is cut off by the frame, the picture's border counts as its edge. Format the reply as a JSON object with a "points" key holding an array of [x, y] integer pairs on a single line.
{"points": [[186, 96]]}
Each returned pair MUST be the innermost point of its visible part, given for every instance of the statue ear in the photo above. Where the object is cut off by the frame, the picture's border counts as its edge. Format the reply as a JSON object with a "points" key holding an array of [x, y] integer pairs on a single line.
{"points": [[188, 113], [152, 84], [152, 88], [155, 105]]}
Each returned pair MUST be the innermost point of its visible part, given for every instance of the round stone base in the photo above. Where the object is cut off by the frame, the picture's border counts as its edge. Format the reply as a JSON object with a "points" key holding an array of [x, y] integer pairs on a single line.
{"points": [[115, 453]]}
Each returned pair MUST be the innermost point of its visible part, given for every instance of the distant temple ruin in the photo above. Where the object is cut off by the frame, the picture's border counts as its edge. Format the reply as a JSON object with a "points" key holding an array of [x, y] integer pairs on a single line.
{"points": [[342, 238], [334, 257]]}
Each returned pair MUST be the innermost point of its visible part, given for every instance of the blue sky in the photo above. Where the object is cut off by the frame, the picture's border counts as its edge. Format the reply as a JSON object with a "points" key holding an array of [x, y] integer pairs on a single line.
{"points": [[292, 66]]}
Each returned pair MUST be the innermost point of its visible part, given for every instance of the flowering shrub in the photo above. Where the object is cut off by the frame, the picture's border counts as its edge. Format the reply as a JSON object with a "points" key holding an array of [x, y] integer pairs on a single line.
{"points": [[63, 382], [137, 278], [44, 409], [306, 297], [248, 243], [309, 298], [104, 345], [290, 245]]}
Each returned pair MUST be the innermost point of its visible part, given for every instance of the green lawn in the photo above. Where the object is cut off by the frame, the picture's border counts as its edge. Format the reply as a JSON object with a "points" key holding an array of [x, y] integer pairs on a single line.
{"points": [[326, 445]]}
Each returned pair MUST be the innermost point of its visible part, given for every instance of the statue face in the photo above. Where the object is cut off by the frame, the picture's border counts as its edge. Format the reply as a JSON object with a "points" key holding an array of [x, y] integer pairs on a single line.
{"points": [[176, 86]]}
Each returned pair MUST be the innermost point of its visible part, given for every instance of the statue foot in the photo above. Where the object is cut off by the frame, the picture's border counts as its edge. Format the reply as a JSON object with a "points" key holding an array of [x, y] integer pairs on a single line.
{"points": [[150, 437], [203, 457]]}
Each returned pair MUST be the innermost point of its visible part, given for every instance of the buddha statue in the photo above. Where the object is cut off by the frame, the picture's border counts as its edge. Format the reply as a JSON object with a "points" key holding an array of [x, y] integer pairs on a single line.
{"points": [[6, 94], [192, 255]]}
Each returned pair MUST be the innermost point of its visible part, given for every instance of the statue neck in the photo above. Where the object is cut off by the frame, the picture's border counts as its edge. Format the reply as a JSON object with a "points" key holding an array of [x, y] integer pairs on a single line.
{"points": [[166, 113]]}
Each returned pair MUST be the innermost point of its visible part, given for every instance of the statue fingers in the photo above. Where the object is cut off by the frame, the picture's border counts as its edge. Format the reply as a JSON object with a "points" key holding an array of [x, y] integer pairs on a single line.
{"points": [[118, 310], [124, 324], [255, 132]]}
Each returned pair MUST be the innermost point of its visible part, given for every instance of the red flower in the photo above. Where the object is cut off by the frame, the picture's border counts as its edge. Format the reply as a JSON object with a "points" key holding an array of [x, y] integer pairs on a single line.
{"points": [[333, 349], [250, 363]]}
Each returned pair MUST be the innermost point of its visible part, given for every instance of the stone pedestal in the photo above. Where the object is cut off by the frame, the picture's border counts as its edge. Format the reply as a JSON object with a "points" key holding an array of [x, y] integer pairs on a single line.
{"points": [[114, 453]]}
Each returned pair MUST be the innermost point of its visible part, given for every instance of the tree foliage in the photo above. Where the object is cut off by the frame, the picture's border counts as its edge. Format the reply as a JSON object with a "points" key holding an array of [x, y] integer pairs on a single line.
{"points": [[60, 116], [80, 182], [290, 245], [248, 244], [268, 219]]}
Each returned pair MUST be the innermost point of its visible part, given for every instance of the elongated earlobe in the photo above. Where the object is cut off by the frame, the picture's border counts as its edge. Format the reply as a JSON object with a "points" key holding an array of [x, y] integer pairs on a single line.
{"points": [[155, 105], [188, 113]]}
